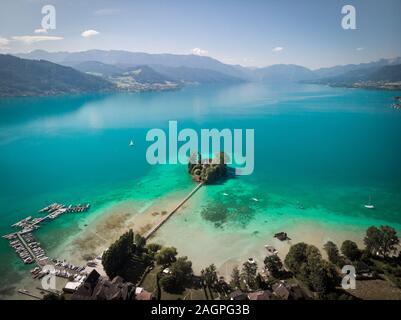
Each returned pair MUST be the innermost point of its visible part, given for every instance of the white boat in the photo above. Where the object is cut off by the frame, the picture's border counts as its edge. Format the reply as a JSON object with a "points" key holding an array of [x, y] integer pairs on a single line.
{"points": [[225, 194], [131, 143], [255, 199], [369, 205], [271, 250]]}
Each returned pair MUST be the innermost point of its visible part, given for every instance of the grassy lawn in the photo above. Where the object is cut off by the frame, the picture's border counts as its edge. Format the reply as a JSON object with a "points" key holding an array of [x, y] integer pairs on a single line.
{"points": [[149, 284], [188, 294]]}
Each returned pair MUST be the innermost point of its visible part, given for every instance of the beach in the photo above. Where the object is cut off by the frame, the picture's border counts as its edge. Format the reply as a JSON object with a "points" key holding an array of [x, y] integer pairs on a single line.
{"points": [[227, 246]]}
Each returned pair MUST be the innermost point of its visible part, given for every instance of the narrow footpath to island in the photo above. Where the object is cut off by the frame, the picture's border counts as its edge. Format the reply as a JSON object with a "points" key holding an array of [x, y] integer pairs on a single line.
{"points": [[151, 232]]}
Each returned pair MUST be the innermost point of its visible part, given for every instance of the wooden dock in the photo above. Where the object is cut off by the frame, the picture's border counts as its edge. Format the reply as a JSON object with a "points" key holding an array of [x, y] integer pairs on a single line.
{"points": [[33, 255], [166, 217], [27, 293]]}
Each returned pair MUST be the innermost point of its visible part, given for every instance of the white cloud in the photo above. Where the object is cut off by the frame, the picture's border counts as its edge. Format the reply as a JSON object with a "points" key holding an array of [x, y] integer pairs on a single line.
{"points": [[278, 49], [89, 33], [4, 43], [106, 12], [33, 39], [199, 52], [360, 49], [40, 31]]}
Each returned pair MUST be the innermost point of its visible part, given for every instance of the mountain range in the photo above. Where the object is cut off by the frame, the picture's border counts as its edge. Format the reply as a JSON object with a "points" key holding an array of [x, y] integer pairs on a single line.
{"points": [[22, 77], [132, 71]]}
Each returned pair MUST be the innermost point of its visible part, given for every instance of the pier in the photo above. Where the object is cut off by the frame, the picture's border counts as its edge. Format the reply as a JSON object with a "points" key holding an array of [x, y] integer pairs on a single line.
{"points": [[166, 217], [28, 249], [27, 293], [23, 241]]}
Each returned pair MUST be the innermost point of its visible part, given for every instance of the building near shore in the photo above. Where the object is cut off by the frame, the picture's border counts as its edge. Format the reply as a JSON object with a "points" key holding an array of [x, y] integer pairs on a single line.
{"points": [[285, 291], [260, 295], [97, 287]]}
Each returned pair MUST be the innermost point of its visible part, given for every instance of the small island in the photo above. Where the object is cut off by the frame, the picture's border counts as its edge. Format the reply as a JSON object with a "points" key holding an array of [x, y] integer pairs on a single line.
{"points": [[208, 170]]}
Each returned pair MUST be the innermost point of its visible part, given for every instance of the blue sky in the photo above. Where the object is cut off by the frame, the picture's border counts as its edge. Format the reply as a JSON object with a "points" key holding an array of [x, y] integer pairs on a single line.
{"points": [[246, 32]]}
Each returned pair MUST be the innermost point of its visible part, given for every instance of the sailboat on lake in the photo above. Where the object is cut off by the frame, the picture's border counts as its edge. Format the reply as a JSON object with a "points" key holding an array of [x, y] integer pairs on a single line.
{"points": [[369, 205]]}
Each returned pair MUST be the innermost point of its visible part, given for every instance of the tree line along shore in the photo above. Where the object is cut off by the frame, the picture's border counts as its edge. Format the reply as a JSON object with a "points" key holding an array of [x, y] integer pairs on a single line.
{"points": [[149, 271]]}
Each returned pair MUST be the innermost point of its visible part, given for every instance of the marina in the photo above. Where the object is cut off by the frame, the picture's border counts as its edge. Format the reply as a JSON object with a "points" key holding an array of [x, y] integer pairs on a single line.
{"points": [[29, 249]]}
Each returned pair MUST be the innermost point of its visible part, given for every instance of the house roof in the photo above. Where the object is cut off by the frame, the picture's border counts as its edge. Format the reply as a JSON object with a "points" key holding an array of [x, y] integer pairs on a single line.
{"points": [[144, 295], [281, 291], [238, 295], [72, 286], [96, 287], [288, 292], [260, 295]]}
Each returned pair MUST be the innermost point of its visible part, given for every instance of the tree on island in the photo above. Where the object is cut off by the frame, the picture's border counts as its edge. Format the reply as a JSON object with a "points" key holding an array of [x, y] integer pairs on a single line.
{"points": [[350, 250], [273, 265], [194, 160], [166, 256], [180, 276], [381, 241], [116, 257], [208, 170]]}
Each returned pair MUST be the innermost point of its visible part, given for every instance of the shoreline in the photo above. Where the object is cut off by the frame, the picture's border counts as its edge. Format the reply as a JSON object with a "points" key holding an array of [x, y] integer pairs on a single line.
{"points": [[203, 243], [228, 249], [114, 221], [101, 230]]}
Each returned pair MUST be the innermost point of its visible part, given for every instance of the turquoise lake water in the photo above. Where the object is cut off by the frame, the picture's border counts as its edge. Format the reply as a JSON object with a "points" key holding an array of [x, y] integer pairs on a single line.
{"points": [[326, 148]]}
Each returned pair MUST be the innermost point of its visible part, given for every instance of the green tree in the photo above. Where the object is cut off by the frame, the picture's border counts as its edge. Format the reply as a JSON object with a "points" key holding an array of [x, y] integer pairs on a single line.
{"points": [[118, 254], [166, 256], [321, 276], [182, 269], [179, 277], [169, 284], [296, 257], [140, 242], [332, 253], [153, 247], [382, 241], [350, 250], [306, 262], [194, 160], [235, 282], [248, 274], [209, 276], [260, 283], [274, 265]]}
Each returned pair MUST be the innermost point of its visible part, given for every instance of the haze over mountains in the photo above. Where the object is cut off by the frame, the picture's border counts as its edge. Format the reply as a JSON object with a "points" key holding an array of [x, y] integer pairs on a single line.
{"points": [[133, 71], [125, 58]]}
